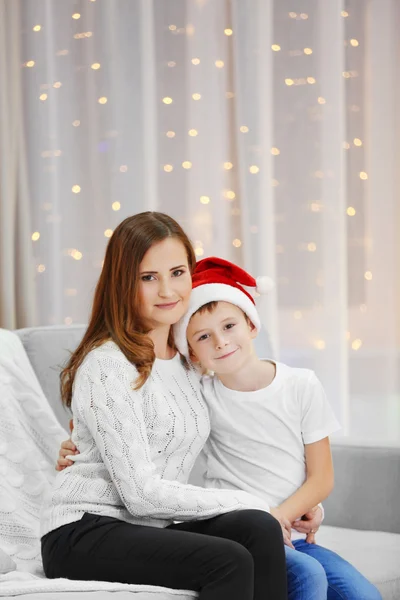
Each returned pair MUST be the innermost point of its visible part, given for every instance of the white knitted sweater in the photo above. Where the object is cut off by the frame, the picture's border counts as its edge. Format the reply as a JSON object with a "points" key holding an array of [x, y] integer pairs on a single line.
{"points": [[137, 448]]}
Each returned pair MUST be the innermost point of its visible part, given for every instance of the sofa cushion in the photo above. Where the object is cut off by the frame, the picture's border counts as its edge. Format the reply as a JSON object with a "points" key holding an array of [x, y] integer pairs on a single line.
{"points": [[375, 554], [48, 349]]}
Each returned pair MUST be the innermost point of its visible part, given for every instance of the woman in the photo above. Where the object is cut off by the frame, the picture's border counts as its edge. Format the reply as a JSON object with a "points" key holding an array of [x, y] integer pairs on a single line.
{"points": [[139, 424]]}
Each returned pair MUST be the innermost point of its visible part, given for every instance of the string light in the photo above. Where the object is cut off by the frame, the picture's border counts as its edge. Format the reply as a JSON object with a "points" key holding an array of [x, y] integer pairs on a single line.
{"points": [[76, 189], [351, 211], [189, 30], [315, 207], [320, 344], [363, 175], [172, 27], [346, 145], [354, 42], [41, 268], [356, 344], [108, 233], [228, 165], [43, 97], [123, 168], [37, 28], [57, 85], [205, 199], [116, 205], [199, 251], [229, 95], [244, 128], [368, 275], [311, 80], [307, 51], [102, 100], [229, 194], [344, 13], [254, 169], [167, 100], [195, 61], [35, 236], [275, 47], [170, 134], [30, 64], [76, 16], [228, 31], [193, 132], [357, 142], [311, 247], [304, 16], [237, 243], [219, 64], [68, 320], [196, 96], [168, 168], [321, 100], [274, 183], [275, 151], [76, 123], [187, 164], [95, 66], [171, 64], [289, 81]]}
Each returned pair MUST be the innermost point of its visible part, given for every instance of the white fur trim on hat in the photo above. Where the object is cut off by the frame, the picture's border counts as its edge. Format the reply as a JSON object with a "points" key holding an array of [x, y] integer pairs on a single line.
{"points": [[212, 292]]}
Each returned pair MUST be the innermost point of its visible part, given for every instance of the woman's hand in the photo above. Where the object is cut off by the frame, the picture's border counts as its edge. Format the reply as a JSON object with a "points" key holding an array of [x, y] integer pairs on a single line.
{"points": [[309, 524], [286, 526]]}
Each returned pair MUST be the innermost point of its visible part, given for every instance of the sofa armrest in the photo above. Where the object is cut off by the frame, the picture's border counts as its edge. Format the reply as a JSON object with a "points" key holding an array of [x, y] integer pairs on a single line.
{"points": [[367, 486]]}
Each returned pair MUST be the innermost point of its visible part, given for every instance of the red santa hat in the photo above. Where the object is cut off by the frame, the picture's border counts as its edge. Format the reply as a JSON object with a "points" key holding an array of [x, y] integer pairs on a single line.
{"points": [[215, 279]]}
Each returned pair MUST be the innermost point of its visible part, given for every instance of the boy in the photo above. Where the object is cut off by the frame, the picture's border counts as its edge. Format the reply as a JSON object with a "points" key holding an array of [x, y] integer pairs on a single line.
{"points": [[270, 425]]}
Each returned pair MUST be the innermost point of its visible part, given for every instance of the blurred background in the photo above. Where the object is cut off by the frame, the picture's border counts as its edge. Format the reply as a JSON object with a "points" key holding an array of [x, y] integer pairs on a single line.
{"points": [[268, 128]]}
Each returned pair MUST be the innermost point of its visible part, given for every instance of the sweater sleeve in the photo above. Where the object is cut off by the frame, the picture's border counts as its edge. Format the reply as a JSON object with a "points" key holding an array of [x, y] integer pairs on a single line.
{"points": [[112, 411]]}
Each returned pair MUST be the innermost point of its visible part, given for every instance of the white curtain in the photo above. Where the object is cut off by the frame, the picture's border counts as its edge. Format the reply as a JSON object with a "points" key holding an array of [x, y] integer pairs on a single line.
{"points": [[268, 128]]}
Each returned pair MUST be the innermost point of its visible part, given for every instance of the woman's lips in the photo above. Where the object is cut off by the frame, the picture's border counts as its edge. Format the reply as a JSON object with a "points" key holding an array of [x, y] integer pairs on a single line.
{"points": [[168, 306]]}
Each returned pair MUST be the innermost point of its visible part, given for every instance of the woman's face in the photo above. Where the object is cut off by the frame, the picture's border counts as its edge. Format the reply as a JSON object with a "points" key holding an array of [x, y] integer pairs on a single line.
{"points": [[165, 283]]}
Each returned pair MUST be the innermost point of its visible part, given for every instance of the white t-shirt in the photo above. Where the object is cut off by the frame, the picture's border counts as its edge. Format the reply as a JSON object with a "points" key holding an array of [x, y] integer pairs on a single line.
{"points": [[257, 438]]}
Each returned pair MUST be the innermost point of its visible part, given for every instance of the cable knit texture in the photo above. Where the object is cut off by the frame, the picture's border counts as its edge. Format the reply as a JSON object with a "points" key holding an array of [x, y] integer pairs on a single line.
{"points": [[137, 448]]}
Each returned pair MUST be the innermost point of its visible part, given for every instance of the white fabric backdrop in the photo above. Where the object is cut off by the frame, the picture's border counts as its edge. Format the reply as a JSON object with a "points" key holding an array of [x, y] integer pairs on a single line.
{"points": [[277, 151]]}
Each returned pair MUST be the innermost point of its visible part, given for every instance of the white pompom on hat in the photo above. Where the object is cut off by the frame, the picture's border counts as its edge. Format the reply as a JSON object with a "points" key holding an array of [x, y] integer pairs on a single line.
{"points": [[218, 280]]}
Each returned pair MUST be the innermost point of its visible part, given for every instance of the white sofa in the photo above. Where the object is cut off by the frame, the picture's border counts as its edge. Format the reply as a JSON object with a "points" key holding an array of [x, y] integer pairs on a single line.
{"points": [[362, 521]]}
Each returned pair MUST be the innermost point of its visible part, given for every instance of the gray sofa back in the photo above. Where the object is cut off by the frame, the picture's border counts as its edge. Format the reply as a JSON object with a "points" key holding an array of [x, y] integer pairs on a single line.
{"points": [[367, 479]]}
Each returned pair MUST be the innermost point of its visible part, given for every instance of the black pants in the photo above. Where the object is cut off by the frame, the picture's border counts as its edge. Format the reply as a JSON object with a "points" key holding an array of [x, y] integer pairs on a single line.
{"points": [[235, 556]]}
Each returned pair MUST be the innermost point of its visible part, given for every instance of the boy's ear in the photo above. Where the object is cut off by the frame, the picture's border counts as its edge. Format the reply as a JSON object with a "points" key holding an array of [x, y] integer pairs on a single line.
{"points": [[252, 329], [192, 356]]}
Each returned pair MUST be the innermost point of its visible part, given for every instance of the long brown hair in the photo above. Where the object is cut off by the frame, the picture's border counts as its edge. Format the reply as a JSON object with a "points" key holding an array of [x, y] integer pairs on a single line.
{"points": [[115, 312]]}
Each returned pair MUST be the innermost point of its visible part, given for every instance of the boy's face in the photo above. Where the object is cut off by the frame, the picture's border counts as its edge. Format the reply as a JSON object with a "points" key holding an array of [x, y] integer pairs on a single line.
{"points": [[221, 340]]}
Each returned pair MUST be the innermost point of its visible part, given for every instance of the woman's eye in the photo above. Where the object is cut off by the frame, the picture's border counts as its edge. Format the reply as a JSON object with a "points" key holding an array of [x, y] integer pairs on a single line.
{"points": [[147, 277], [178, 273], [203, 337]]}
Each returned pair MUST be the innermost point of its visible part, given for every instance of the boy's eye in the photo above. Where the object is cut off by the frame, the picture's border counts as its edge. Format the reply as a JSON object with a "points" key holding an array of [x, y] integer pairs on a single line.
{"points": [[178, 273], [147, 277], [230, 325], [203, 337]]}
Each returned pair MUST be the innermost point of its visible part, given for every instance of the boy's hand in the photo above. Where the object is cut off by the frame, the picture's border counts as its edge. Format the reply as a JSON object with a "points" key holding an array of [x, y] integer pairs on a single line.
{"points": [[286, 526], [67, 448], [309, 524]]}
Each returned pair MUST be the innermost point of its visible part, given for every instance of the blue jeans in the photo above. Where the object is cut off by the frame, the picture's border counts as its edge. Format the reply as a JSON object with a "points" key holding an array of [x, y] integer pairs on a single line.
{"points": [[315, 573]]}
